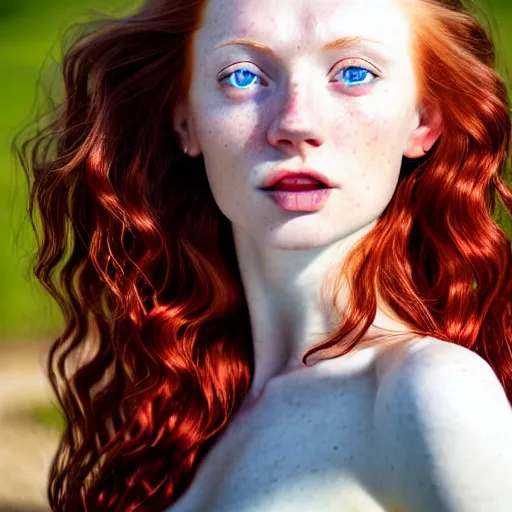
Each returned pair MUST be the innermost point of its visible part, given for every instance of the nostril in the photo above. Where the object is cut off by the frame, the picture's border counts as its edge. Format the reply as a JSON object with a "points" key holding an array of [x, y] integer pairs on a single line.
{"points": [[312, 142], [286, 142]]}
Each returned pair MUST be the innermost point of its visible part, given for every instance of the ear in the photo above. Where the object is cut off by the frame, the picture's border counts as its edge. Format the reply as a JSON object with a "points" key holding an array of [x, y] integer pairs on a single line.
{"points": [[427, 129], [184, 126]]}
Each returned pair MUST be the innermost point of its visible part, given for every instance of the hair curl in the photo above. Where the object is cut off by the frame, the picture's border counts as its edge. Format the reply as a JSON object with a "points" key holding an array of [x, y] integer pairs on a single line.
{"points": [[157, 354]]}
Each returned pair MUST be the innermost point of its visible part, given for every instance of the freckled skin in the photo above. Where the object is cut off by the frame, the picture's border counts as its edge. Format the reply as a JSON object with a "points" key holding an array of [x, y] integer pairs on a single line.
{"points": [[300, 112], [300, 109], [356, 137]]}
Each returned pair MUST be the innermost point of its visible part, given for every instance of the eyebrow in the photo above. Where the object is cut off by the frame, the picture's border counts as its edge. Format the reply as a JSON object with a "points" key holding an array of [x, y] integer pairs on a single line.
{"points": [[340, 43]]}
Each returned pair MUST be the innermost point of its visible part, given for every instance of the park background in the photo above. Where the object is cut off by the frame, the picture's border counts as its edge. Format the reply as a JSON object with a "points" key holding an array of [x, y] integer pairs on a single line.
{"points": [[31, 32]]}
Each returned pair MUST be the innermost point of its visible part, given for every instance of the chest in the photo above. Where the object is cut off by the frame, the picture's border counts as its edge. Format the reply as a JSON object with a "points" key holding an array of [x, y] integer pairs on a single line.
{"points": [[306, 445]]}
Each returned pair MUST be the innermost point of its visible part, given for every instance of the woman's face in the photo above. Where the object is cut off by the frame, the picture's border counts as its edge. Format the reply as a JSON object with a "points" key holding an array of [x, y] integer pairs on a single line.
{"points": [[286, 96]]}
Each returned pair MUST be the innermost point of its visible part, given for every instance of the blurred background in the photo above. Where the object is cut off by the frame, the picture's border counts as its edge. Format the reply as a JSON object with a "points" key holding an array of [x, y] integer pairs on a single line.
{"points": [[31, 32]]}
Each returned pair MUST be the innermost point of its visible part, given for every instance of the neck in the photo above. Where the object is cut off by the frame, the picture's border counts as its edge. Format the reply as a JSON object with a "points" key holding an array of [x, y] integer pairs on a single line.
{"points": [[283, 291]]}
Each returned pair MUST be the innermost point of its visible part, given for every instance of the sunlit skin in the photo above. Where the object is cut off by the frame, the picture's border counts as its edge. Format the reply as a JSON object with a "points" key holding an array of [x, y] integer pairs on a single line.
{"points": [[165, 405], [327, 85]]}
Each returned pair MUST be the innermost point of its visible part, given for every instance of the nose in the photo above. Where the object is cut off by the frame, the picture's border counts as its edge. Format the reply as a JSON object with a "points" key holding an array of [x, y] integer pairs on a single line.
{"points": [[297, 126]]}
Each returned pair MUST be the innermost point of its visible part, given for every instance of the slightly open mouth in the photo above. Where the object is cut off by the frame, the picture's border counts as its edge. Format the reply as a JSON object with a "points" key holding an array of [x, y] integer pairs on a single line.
{"points": [[297, 183], [297, 188]]}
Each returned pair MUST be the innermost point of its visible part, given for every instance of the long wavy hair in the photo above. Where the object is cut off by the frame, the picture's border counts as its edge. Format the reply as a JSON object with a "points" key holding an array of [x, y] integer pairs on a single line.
{"points": [[156, 354]]}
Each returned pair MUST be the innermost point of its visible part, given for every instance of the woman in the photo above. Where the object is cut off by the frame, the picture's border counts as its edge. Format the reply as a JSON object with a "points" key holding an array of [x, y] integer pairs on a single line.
{"points": [[282, 282]]}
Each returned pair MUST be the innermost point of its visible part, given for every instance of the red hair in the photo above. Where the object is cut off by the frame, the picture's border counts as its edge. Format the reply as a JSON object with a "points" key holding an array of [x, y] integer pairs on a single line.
{"points": [[157, 353]]}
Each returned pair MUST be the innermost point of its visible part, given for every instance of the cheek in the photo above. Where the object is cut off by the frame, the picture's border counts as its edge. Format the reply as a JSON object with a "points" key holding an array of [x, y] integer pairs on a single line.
{"points": [[232, 144], [224, 132], [374, 129], [370, 137]]}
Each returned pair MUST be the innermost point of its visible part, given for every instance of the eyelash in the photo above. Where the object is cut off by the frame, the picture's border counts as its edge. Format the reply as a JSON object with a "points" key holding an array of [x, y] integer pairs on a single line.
{"points": [[341, 70]]}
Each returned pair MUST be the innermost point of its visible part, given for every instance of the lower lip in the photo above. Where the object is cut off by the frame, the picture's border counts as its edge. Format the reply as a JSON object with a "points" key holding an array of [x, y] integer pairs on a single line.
{"points": [[303, 201]]}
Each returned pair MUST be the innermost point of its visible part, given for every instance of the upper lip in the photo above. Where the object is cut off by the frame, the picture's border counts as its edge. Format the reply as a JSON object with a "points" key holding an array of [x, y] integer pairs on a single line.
{"points": [[276, 176]]}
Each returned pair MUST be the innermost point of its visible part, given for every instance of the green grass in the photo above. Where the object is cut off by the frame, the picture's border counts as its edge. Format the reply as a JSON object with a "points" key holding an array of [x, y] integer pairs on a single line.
{"points": [[29, 29], [47, 415], [30, 33]]}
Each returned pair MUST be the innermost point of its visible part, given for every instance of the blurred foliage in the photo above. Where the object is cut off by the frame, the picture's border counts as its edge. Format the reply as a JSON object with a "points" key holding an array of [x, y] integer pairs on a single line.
{"points": [[47, 415], [30, 35], [31, 32]]}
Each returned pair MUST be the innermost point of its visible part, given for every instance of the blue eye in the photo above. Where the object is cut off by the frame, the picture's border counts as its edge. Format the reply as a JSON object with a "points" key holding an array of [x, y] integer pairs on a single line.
{"points": [[241, 78], [354, 75]]}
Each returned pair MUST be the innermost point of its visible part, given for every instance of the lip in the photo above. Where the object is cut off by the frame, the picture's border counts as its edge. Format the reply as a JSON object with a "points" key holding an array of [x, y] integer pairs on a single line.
{"points": [[304, 201], [273, 178]]}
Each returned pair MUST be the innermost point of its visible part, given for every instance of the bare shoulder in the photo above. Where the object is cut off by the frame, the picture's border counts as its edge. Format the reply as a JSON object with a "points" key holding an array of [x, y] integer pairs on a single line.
{"points": [[419, 358], [429, 366], [444, 429]]}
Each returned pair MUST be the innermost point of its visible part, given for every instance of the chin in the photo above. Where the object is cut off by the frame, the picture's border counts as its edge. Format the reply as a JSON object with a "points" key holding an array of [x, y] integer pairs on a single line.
{"points": [[298, 241]]}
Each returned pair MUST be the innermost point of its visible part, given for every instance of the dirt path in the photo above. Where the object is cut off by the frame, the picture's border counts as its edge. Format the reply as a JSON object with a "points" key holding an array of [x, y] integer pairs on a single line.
{"points": [[26, 448]]}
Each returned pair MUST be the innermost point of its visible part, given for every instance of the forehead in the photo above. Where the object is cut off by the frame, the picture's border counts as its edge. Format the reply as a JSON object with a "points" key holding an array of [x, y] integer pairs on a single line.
{"points": [[305, 23]]}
